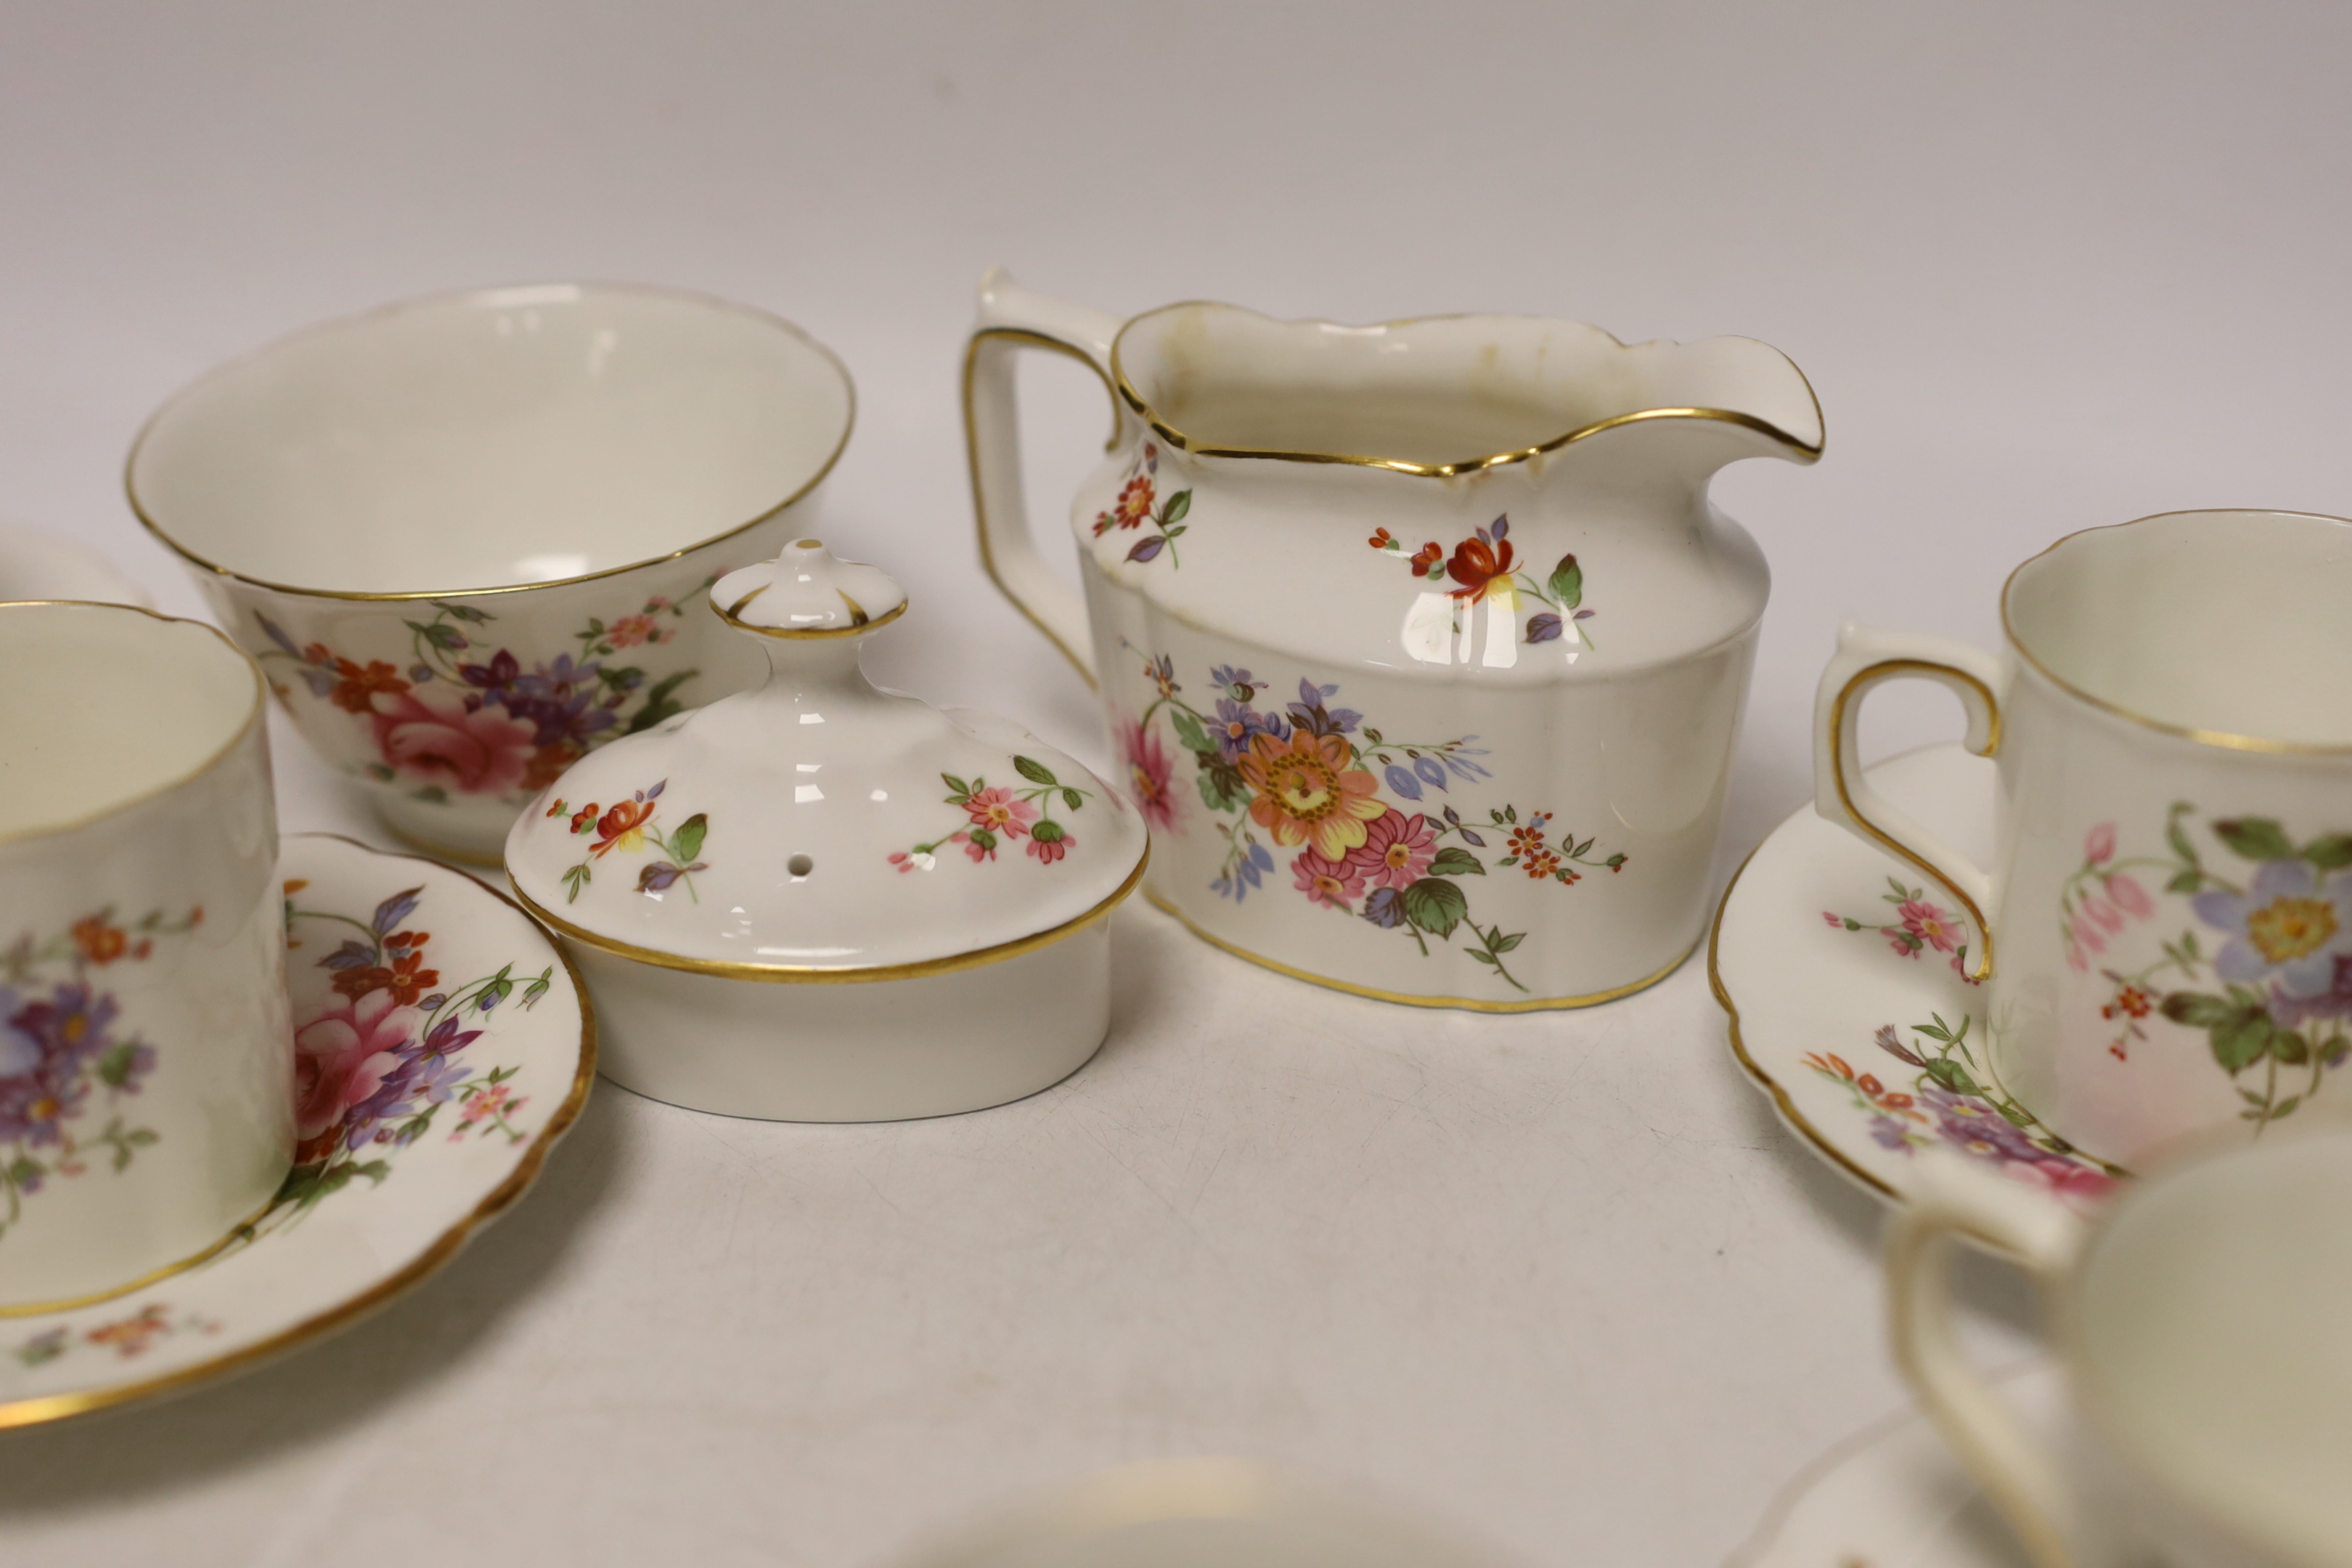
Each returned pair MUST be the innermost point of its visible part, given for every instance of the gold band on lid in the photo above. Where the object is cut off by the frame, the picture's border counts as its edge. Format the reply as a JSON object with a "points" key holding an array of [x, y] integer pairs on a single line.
{"points": [[842, 974]]}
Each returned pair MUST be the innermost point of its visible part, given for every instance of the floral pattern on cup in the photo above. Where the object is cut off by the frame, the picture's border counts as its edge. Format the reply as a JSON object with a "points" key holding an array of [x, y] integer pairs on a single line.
{"points": [[65, 1054], [387, 1047], [2273, 998], [995, 813], [1918, 926], [467, 717], [1485, 565], [1304, 779], [629, 826], [128, 1336], [1140, 505]]}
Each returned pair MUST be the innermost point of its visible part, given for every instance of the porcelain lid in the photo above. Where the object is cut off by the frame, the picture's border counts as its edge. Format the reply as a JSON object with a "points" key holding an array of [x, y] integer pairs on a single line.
{"points": [[817, 826]]}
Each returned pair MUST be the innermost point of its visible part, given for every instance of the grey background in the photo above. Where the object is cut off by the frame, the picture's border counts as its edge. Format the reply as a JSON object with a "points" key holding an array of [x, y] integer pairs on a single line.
{"points": [[2047, 266]]}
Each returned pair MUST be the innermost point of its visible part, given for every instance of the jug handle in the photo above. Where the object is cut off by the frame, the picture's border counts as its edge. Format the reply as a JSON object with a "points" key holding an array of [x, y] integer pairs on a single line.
{"points": [[1013, 318]]}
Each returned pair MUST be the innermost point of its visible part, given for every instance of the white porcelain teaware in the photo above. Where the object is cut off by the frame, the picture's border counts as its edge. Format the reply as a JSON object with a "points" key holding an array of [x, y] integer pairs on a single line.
{"points": [[822, 902], [2201, 1318], [1839, 967], [145, 1057], [2166, 918], [444, 1047], [1422, 645], [467, 536]]}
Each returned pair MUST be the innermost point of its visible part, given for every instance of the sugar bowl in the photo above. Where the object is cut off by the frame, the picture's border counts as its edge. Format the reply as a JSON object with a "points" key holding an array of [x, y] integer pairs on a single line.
{"points": [[819, 901]]}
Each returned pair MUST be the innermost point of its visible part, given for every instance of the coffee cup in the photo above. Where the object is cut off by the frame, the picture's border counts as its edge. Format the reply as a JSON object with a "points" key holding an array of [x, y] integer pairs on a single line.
{"points": [[467, 536], [2200, 1321], [146, 1064], [2167, 923]]}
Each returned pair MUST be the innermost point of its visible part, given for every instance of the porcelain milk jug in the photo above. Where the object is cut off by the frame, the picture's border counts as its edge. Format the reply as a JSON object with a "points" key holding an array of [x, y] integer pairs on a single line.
{"points": [[1422, 644]]}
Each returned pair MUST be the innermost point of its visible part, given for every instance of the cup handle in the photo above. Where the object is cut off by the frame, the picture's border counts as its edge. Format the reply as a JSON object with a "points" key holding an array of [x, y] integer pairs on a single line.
{"points": [[1866, 656], [1952, 1199], [1013, 318]]}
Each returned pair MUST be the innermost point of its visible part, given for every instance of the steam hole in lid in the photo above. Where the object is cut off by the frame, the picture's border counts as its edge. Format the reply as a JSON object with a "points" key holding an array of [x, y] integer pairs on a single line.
{"points": [[800, 865]]}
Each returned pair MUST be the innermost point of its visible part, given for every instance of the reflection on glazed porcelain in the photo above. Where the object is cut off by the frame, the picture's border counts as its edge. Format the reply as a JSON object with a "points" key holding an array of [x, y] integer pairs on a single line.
{"points": [[468, 536], [1491, 536], [2168, 897], [923, 932], [144, 1050]]}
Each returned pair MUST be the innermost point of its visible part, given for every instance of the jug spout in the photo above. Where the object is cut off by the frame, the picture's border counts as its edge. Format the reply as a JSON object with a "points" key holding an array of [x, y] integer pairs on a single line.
{"points": [[1442, 396]]}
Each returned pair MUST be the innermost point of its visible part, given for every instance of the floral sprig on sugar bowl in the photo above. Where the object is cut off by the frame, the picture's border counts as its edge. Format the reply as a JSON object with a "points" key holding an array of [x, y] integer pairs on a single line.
{"points": [[1485, 565], [629, 826], [994, 813], [1140, 504], [64, 1053]]}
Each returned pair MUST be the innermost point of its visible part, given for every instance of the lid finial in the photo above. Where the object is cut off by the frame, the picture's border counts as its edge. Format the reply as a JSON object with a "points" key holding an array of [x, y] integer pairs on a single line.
{"points": [[808, 592]]}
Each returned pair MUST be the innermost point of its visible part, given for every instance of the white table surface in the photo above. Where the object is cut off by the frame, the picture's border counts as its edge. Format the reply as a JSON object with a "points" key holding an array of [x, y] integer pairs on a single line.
{"points": [[1561, 1276]]}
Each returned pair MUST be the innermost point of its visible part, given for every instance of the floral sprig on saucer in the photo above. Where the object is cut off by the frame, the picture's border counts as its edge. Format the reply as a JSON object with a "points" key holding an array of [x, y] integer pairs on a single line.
{"points": [[1486, 565], [128, 1336], [1138, 504], [994, 813], [62, 1046], [379, 1056], [629, 826], [1949, 1103], [1919, 925]]}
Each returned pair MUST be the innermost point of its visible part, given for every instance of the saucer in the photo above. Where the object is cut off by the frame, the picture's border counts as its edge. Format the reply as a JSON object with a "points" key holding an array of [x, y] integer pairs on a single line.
{"points": [[443, 1044], [1840, 969], [1892, 1495], [38, 565]]}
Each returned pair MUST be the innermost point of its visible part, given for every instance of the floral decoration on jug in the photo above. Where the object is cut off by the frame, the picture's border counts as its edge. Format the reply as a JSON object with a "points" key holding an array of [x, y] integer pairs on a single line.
{"points": [[1485, 565], [1138, 504], [1303, 779]]}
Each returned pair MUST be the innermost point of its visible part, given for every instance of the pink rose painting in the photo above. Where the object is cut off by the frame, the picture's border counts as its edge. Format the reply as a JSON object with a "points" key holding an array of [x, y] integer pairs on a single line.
{"points": [[343, 1056], [430, 731]]}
